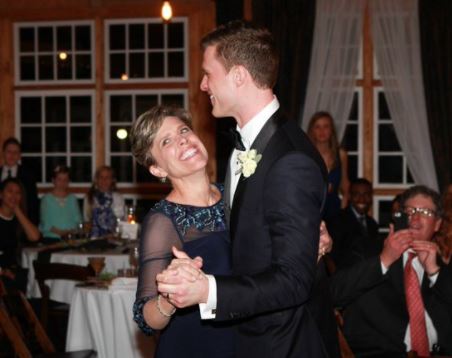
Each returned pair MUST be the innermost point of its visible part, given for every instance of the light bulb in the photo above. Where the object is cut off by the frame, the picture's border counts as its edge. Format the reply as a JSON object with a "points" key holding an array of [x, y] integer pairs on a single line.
{"points": [[62, 56], [121, 133], [167, 11]]}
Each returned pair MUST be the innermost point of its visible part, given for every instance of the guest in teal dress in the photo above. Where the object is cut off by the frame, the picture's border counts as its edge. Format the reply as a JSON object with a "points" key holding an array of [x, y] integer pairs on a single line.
{"points": [[322, 133], [60, 211], [190, 218]]}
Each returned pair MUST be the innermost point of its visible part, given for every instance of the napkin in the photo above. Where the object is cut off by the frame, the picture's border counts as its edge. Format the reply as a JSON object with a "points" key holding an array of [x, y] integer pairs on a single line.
{"points": [[124, 283]]}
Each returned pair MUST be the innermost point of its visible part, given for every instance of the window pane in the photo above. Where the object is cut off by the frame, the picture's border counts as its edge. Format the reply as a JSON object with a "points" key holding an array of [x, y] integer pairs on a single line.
{"points": [[30, 110], [383, 109], [117, 65], [156, 64], [45, 67], [155, 36], [31, 139], [116, 144], [387, 140], [350, 141], [64, 67], [64, 38], [27, 39], [80, 139], [117, 37], [81, 171], [34, 164], [83, 66], [82, 38], [136, 65], [51, 164], [390, 169], [176, 64], [27, 68], [136, 36], [352, 166], [384, 213], [55, 109], [175, 35], [144, 103], [123, 168], [173, 99], [143, 175], [80, 109], [409, 179], [55, 139], [121, 108], [354, 109], [45, 39]]}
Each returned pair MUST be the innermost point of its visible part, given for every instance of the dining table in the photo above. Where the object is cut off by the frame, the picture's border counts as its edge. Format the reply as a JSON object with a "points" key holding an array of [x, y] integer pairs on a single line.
{"points": [[101, 319]]}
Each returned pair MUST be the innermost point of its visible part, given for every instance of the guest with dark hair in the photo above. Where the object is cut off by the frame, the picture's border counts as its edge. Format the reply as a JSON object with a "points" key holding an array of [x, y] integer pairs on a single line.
{"points": [[60, 211], [15, 227], [12, 152], [322, 132], [103, 205]]}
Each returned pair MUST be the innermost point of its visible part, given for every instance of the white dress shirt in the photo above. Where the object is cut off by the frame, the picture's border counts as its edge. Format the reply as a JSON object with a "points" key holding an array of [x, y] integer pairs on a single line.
{"points": [[5, 172], [248, 133]]}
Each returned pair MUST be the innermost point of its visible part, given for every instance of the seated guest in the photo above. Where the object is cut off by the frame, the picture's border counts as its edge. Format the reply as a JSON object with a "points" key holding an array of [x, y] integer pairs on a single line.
{"points": [[354, 231], [14, 226], [103, 205], [60, 212], [400, 300], [13, 169]]}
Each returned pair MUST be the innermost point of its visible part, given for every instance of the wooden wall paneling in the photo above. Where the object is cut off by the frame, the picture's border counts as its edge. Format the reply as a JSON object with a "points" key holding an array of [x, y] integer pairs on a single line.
{"points": [[100, 146]]}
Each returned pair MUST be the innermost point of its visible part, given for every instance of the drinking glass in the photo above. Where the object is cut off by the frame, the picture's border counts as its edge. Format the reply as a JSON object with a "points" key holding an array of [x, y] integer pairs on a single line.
{"points": [[97, 263], [133, 258]]}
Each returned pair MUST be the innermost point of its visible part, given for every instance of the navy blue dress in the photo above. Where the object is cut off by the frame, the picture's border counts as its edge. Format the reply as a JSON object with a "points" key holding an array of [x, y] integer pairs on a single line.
{"points": [[199, 231], [333, 202]]}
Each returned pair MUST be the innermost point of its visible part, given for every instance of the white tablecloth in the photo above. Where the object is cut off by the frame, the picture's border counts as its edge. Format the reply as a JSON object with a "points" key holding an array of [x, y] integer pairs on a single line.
{"points": [[61, 290], [102, 320]]}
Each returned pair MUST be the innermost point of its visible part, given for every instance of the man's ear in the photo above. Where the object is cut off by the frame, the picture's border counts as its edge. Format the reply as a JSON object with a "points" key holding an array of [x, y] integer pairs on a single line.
{"points": [[240, 74], [158, 172]]}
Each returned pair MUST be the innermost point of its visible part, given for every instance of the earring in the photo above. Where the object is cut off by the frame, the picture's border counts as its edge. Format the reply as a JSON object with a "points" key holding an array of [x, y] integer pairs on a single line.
{"points": [[162, 180]]}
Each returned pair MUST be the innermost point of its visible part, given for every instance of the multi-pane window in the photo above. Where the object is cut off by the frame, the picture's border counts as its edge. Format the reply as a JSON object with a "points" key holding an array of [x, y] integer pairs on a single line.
{"points": [[146, 50], [390, 162], [54, 52], [57, 128], [122, 109]]}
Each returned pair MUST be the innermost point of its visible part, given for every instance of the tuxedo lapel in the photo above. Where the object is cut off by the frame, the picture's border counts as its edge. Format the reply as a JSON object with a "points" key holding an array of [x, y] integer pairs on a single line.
{"points": [[227, 191]]}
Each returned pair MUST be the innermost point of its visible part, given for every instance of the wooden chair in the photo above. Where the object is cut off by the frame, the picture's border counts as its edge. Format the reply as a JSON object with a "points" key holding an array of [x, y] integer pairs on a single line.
{"points": [[28, 338], [56, 271], [344, 348]]}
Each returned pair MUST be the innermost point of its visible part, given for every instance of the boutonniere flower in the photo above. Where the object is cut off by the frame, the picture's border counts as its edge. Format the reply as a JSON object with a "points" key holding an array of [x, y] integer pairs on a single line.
{"points": [[248, 162]]}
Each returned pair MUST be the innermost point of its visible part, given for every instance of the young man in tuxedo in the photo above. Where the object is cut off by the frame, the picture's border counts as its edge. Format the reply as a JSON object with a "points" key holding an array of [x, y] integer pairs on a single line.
{"points": [[12, 151], [274, 206]]}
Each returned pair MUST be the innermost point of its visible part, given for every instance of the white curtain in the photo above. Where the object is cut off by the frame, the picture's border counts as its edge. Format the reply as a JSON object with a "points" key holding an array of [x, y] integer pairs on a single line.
{"points": [[395, 28], [334, 59]]}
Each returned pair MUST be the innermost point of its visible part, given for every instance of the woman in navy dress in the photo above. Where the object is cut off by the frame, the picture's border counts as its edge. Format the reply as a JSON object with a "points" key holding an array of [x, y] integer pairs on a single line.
{"points": [[190, 218], [322, 133]]}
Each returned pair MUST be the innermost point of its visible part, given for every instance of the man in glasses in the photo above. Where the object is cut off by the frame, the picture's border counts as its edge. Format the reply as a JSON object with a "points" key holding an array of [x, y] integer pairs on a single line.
{"points": [[400, 300]]}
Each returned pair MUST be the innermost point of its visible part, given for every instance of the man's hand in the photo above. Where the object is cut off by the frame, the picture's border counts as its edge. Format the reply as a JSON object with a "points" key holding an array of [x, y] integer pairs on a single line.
{"points": [[427, 252], [395, 245], [326, 242], [183, 283]]}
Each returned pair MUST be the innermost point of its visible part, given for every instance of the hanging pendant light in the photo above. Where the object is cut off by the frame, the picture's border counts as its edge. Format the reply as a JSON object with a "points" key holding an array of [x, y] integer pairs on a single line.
{"points": [[167, 11]]}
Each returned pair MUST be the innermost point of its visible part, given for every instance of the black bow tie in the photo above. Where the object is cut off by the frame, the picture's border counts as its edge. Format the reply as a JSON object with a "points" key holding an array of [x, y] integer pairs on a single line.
{"points": [[237, 140]]}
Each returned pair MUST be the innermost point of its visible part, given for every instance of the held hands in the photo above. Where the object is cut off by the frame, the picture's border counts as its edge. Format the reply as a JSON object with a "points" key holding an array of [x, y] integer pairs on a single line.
{"points": [[325, 243], [427, 252], [182, 282]]}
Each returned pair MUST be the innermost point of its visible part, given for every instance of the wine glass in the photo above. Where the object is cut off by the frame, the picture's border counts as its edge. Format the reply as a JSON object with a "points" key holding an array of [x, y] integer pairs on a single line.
{"points": [[133, 258], [97, 263]]}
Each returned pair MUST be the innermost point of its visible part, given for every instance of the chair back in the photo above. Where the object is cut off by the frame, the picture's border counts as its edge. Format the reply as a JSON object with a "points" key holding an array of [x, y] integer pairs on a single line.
{"points": [[345, 350], [56, 271]]}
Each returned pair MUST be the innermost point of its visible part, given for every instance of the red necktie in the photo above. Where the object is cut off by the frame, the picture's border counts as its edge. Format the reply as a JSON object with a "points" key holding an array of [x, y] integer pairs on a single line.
{"points": [[415, 305]]}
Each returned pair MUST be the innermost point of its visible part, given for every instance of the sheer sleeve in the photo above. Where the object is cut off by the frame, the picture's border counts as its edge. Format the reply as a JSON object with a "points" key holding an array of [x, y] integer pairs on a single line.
{"points": [[159, 235]]}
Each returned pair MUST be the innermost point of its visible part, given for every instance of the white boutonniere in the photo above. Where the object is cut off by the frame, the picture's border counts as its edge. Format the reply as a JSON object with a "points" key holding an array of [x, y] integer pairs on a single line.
{"points": [[247, 162]]}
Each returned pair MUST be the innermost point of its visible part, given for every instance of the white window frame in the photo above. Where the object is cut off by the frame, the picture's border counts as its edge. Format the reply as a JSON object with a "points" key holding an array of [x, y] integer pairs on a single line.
{"points": [[68, 154], [108, 123], [145, 21], [54, 24]]}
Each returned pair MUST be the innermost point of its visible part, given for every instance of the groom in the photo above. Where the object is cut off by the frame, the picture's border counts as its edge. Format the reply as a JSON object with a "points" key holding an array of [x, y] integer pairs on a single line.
{"points": [[275, 207]]}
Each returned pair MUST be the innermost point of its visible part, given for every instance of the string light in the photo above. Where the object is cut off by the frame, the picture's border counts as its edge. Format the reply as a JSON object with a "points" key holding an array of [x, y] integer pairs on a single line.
{"points": [[167, 11]]}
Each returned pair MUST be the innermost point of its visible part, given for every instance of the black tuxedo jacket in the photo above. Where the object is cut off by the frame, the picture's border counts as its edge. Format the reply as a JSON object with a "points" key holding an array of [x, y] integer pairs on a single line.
{"points": [[274, 223], [351, 242], [31, 192], [375, 313]]}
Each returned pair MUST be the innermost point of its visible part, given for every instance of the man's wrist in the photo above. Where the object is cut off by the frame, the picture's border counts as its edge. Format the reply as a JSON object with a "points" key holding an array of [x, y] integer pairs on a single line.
{"points": [[433, 272]]}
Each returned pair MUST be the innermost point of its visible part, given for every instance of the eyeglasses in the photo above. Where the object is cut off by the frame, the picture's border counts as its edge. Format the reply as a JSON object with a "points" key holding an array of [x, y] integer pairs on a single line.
{"points": [[425, 212]]}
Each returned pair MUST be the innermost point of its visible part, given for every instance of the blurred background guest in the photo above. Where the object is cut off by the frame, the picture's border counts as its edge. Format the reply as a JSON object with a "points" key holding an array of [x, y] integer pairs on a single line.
{"points": [[322, 133], [12, 152], [15, 227], [60, 212], [103, 205]]}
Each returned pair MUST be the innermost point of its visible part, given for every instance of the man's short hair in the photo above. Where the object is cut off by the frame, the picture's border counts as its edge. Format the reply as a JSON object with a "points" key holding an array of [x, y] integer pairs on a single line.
{"points": [[424, 191], [361, 181], [241, 43], [11, 140]]}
